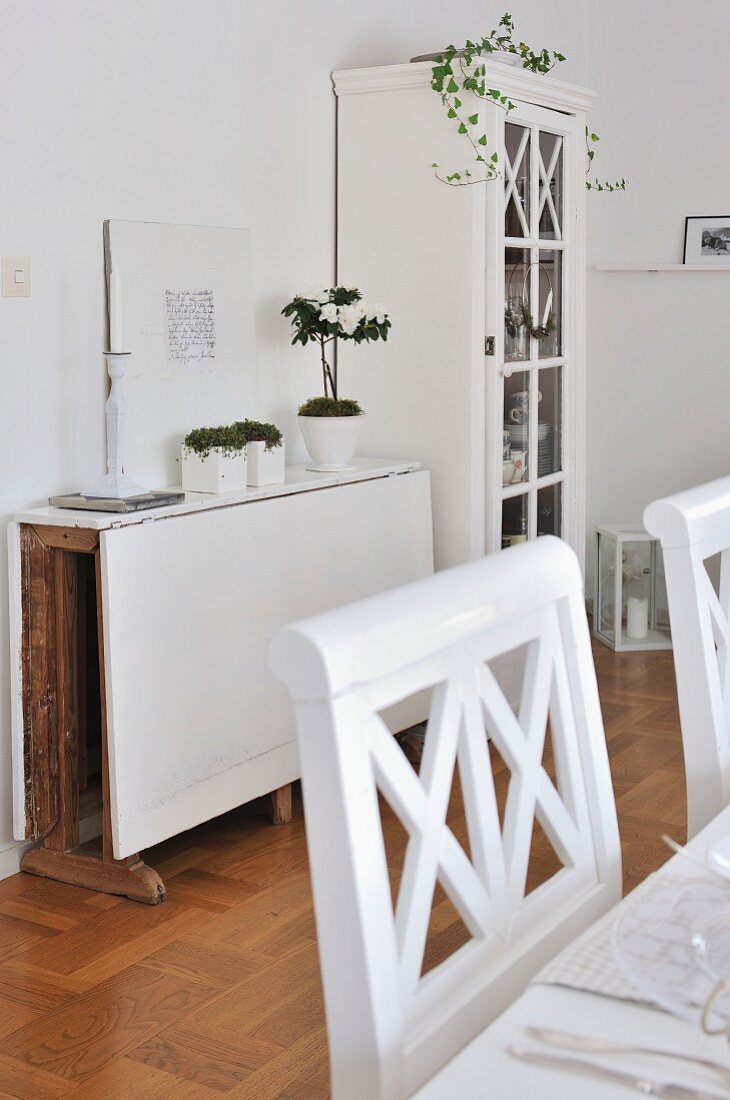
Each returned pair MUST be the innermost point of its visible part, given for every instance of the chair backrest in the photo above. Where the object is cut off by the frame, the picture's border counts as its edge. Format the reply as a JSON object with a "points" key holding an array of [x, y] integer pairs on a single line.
{"points": [[693, 527], [390, 1027]]}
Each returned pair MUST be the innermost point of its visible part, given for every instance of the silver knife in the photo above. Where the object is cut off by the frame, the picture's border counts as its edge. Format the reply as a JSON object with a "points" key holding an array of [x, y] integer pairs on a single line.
{"points": [[644, 1085], [585, 1044]]}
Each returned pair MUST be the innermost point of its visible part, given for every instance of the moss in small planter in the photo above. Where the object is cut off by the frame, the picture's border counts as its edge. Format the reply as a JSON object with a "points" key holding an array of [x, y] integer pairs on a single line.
{"points": [[255, 431], [329, 406], [230, 439]]}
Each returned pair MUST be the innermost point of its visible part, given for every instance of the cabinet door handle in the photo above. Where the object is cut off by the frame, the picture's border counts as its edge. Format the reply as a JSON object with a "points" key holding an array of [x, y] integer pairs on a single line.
{"points": [[506, 370]]}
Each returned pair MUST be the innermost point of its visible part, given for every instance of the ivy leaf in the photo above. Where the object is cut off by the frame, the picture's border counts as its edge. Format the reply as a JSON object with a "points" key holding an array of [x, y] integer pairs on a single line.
{"points": [[457, 102], [462, 128], [473, 119], [451, 113], [494, 158], [452, 86], [482, 140]]}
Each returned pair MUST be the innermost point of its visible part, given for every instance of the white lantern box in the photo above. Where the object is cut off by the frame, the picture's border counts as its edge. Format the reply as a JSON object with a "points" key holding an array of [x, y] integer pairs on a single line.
{"points": [[630, 610]]}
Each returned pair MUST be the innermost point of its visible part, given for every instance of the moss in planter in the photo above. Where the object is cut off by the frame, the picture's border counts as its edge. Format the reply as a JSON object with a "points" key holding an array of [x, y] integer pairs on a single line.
{"points": [[255, 431], [229, 438], [328, 406]]}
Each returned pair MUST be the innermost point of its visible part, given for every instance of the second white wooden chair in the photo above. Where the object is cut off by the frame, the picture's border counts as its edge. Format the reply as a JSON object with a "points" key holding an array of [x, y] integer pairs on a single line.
{"points": [[391, 1029], [694, 526]]}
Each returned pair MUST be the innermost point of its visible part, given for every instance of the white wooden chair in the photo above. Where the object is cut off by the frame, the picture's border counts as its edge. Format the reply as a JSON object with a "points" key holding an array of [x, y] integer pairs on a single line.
{"points": [[390, 1028], [694, 526]]}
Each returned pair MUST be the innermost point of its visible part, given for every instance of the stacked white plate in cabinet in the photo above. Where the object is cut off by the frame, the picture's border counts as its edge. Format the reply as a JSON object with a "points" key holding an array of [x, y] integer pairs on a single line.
{"points": [[519, 440]]}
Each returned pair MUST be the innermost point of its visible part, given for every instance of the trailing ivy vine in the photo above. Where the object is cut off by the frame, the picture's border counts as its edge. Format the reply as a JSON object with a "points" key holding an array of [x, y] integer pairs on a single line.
{"points": [[458, 72]]}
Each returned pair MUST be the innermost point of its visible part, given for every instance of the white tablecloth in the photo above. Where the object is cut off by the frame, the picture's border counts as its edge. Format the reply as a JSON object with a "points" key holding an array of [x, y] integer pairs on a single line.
{"points": [[486, 1070]]}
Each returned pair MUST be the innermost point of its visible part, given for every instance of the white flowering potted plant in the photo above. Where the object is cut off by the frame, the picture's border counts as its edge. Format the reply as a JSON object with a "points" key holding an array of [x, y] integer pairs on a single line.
{"points": [[331, 424]]}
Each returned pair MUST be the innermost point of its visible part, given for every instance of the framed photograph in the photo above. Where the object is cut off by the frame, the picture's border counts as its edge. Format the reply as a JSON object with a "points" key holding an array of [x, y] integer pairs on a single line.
{"points": [[707, 240]]}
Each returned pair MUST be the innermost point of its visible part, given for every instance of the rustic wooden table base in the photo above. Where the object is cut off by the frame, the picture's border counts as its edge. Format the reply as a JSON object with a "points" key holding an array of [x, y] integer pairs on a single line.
{"points": [[55, 580], [130, 877]]}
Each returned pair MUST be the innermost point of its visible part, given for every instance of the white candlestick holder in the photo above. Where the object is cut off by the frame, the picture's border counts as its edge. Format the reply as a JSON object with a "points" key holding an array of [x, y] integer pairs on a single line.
{"points": [[115, 485]]}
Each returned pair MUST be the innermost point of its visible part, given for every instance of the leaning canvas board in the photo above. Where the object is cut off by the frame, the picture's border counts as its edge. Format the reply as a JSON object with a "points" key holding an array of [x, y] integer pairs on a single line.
{"points": [[187, 319]]}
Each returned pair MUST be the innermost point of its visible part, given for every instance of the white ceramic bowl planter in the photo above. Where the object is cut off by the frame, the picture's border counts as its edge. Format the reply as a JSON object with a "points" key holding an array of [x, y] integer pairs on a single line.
{"points": [[331, 423], [264, 467], [218, 472], [331, 440]]}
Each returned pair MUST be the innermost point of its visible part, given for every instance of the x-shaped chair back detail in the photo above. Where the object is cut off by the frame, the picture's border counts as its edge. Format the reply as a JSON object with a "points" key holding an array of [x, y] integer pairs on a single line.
{"points": [[390, 1025]]}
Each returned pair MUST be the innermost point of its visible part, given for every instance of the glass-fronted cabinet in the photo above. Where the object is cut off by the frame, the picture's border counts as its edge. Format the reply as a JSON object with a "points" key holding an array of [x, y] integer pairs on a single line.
{"points": [[531, 490], [482, 381]]}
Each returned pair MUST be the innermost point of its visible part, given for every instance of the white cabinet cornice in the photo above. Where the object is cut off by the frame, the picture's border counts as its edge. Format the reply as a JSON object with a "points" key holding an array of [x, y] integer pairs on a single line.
{"points": [[512, 80]]}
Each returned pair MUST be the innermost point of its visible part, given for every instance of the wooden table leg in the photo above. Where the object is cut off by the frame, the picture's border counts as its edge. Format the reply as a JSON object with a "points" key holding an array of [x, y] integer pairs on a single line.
{"points": [[281, 805], [53, 647]]}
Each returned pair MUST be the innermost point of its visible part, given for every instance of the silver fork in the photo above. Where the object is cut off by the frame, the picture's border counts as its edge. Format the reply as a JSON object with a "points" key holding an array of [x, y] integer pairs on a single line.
{"points": [[568, 1041]]}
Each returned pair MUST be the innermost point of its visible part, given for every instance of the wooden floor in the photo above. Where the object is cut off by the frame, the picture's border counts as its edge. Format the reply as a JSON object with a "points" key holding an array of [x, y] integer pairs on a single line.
{"points": [[217, 991]]}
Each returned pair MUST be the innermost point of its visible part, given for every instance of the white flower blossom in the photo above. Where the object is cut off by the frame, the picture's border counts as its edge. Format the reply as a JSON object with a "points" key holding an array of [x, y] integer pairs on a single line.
{"points": [[328, 312], [350, 317], [319, 294], [379, 313]]}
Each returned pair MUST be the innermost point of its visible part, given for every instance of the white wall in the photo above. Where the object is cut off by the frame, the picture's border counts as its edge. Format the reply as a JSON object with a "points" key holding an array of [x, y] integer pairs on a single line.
{"points": [[658, 379], [171, 110]]}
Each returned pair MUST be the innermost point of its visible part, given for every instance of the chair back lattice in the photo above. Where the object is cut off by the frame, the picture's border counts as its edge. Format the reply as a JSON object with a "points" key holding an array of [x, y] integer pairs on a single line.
{"points": [[454, 640], [694, 530]]}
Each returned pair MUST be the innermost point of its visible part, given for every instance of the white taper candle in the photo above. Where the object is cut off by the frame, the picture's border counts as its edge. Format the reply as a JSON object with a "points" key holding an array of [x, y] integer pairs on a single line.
{"points": [[115, 311], [548, 307]]}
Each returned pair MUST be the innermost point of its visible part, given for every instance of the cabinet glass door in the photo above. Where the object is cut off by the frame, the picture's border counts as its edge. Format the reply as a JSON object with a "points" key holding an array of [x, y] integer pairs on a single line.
{"points": [[533, 352]]}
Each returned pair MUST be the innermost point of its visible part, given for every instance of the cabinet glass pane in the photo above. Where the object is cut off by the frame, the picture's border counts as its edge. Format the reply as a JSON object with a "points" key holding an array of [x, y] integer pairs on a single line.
{"points": [[516, 181], [517, 424], [550, 423], [514, 521], [549, 311], [549, 509], [516, 301], [550, 204]]}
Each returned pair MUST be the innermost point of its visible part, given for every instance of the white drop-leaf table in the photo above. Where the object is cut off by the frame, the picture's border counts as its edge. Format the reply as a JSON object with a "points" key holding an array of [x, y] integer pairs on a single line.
{"points": [[172, 610]]}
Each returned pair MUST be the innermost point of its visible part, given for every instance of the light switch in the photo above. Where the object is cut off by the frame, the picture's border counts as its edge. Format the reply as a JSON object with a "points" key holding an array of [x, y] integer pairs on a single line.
{"points": [[16, 276]]}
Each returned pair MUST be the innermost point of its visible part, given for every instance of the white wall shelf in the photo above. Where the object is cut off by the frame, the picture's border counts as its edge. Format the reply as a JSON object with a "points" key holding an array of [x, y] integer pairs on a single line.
{"points": [[660, 267]]}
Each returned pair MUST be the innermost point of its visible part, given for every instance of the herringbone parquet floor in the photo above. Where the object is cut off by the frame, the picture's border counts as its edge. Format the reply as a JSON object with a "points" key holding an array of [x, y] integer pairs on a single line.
{"points": [[216, 992]]}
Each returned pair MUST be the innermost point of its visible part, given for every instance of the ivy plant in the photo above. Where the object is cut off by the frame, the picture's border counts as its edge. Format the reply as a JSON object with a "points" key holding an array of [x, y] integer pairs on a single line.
{"points": [[460, 73]]}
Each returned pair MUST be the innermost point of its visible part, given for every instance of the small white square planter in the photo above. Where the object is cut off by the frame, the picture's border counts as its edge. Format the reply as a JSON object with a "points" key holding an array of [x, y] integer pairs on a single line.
{"points": [[264, 467], [216, 473]]}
